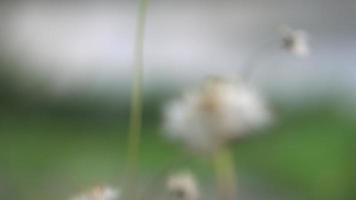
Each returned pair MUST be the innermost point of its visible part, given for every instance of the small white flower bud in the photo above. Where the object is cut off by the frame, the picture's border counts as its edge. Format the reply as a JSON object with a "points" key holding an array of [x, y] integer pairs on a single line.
{"points": [[183, 187], [99, 193]]}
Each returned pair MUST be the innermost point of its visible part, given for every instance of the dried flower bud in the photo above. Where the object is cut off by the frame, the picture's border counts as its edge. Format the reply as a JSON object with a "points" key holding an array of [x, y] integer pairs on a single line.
{"points": [[295, 41]]}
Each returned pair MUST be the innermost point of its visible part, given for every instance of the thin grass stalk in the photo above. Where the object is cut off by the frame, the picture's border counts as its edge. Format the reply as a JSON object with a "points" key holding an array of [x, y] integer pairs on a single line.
{"points": [[134, 137], [252, 63]]}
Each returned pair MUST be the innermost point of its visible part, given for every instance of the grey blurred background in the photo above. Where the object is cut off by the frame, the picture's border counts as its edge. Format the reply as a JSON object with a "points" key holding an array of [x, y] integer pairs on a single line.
{"points": [[74, 45]]}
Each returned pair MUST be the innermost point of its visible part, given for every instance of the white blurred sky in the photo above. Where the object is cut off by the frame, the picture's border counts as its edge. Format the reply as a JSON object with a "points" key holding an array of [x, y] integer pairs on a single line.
{"points": [[75, 44]]}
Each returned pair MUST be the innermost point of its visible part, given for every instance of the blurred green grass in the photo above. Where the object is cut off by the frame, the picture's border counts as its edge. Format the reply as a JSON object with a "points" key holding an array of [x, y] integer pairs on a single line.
{"points": [[309, 151]]}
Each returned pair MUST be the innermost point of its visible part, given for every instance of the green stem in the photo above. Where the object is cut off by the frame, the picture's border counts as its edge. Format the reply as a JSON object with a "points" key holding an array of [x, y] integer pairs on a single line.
{"points": [[225, 174], [134, 137]]}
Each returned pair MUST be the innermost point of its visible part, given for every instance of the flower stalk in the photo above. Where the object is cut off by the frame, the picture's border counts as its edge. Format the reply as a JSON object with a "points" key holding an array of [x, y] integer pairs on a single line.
{"points": [[252, 64], [134, 137], [225, 174]]}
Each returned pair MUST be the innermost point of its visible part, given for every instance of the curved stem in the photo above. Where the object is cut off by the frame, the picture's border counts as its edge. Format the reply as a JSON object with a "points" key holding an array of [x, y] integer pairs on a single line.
{"points": [[134, 137], [225, 174], [252, 62]]}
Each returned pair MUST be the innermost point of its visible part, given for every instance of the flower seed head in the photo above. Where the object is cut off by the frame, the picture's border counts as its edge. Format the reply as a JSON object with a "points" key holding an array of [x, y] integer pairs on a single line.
{"points": [[218, 111], [183, 186]]}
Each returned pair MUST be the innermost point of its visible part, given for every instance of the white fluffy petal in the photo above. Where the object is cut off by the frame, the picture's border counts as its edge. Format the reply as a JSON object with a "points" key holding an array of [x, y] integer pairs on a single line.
{"points": [[220, 110]]}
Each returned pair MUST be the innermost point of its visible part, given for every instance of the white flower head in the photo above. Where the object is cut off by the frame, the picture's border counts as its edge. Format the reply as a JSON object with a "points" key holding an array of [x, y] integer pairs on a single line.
{"points": [[218, 111], [295, 41], [99, 193], [183, 186]]}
